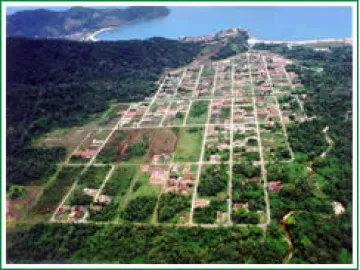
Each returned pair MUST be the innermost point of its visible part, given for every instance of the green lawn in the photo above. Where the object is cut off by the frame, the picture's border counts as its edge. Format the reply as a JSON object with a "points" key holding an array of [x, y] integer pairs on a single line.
{"points": [[143, 188], [189, 144]]}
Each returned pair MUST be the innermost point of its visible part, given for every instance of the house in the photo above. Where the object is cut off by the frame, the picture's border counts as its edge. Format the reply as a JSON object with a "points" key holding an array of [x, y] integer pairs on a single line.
{"points": [[90, 191], [104, 199], [275, 186], [237, 116], [202, 203], [175, 168], [255, 180], [60, 211], [241, 205], [262, 113], [222, 146], [182, 186], [182, 214], [215, 158], [85, 153], [172, 182], [144, 168], [159, 176]]}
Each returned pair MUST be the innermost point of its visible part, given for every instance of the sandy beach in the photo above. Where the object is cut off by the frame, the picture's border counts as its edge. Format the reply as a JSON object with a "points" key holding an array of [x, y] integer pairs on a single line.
{"points": [[253, 41], [92, 36]]}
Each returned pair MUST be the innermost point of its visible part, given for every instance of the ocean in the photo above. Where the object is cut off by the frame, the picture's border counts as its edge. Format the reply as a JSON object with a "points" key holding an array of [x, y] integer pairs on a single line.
{"points": [[267, 23]]}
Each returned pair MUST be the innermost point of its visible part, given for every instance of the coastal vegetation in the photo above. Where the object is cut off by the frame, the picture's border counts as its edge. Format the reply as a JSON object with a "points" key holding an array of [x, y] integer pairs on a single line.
{"points": [[57, 84], [76, 22]]}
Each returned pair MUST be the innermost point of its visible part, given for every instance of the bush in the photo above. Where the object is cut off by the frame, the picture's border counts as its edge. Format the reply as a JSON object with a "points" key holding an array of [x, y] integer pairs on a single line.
{"points": [[139, 209]]}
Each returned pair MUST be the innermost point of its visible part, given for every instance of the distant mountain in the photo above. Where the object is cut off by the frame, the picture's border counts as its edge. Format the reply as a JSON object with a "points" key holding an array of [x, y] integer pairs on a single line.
{"points": [[77, 22]]}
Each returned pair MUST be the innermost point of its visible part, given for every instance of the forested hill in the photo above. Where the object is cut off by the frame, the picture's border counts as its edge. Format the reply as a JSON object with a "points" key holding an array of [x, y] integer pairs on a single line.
{"points": [[77, 22], [60, 83]]}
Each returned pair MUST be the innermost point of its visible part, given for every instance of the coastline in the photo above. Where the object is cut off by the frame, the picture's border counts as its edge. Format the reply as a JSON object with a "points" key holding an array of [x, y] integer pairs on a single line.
{"points": [[252, 41], [92, 37], [347, 40]]}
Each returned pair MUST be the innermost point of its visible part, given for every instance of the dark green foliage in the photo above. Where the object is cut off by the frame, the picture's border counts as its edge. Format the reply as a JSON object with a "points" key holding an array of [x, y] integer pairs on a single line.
{"points": [[320, 241], [232, 46], [33, 164], [213, 180], [198, 108], [54, 24], [16, 192], [107, 212], [247, 191], [58, 83], [308, 138], [136, 150], [79, 198], [225, 113], [212, 150], [94, 176], [243, 216], [55, 190], [107, 155], [246, 169], [139, 209], [120, 181], [170, 205], [208, 215], [251, 156], [89, 243]]}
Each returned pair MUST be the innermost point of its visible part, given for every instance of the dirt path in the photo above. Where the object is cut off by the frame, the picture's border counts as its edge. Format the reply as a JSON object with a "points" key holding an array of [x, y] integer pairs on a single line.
{"points": [[262, 163], [328, 140], [282, 225]]}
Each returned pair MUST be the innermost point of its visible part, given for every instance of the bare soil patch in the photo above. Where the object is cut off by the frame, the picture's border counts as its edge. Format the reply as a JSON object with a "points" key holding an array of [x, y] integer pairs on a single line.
{"points": [[15, 209], [161, 141]]}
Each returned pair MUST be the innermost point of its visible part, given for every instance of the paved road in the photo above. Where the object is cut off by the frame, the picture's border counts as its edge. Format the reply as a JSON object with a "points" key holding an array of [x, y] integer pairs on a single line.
{"points": [[262, 163]]}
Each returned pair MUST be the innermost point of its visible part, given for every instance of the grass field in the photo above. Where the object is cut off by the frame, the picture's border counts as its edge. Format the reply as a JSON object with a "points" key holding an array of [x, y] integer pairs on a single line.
{"points": [[189, 144], [143, 188], [94, 176], [119, 181]]}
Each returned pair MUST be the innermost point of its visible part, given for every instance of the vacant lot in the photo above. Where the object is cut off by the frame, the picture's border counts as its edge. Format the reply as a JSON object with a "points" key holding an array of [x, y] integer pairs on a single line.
{"points": [[55, 190], [198, 113], [189, 144], [16, 208], [137, 146], [161, 141]]}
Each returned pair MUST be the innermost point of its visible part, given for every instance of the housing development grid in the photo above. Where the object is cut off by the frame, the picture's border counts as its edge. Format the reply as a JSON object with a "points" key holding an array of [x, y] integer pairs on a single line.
{"points": [[206, 136]]}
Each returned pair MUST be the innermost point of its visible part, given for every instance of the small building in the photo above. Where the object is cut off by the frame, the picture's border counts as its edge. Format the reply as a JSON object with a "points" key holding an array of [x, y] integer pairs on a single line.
{"points": [[104, 199], [90, 191], [159, 176], [202, 203], [275, 186], [144, 168], [182, 214], [241, 205]]}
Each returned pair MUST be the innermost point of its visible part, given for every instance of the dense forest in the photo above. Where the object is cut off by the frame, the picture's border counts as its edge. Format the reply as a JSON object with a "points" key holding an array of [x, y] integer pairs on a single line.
{"points": [[317, 234], [232, 46], [76, 20], [89, 243], [56, 83]]}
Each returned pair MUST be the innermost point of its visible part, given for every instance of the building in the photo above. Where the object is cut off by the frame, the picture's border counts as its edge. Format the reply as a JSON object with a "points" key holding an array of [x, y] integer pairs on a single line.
{"points": [[275, 186], [159, 176]]}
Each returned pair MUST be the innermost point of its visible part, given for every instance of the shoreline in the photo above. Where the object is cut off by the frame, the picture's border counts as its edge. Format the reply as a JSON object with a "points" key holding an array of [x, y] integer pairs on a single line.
{"points": [[251, 41], [92, 37], [347, 40]]}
